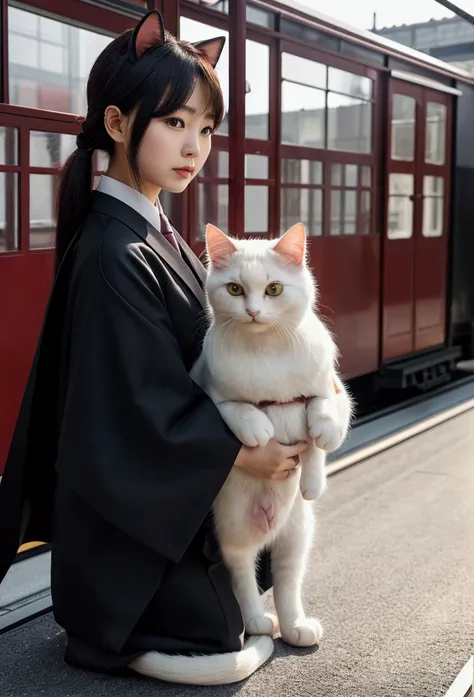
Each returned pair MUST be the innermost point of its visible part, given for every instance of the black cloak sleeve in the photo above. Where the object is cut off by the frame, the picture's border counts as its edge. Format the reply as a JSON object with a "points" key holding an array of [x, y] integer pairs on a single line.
{"points": [[140, 441]]}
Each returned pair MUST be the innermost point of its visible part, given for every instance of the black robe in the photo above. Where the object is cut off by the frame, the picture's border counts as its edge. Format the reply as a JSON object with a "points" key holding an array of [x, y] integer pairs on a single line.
{"points": [[117, 455]]}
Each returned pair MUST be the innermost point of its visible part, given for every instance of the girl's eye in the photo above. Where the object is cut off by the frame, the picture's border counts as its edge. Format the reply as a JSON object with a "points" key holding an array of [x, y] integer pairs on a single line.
{"points": [[175, 122], [208, 131], [274, 289], [235, 289]]}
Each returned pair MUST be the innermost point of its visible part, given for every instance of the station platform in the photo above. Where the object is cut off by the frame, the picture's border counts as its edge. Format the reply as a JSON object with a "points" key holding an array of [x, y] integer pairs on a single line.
{"points": [[391, 578]]}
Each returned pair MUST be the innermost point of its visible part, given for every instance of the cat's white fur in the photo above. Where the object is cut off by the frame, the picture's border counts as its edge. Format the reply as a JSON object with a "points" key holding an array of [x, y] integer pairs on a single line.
{"points": [[283, 352]]}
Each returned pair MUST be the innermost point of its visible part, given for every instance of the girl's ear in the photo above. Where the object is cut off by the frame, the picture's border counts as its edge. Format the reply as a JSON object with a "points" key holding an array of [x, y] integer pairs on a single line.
{"points": [[212, 49], [148, 33]]}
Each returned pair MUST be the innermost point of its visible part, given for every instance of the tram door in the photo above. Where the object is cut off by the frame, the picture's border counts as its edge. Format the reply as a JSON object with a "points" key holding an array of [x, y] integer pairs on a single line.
{"points": [[417, 216]]}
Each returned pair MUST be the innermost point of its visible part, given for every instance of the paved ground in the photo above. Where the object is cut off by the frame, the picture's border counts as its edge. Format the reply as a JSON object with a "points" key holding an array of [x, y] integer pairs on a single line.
{"points": [[391, 578]]}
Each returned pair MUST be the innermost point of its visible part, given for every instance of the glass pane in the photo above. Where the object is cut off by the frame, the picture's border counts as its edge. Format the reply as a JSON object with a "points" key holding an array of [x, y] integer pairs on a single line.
{"points": [[257, 16], [350, 212], [301, 171], [336, 211], [43, 188], [348, 83], [217, 165], [257, 99], [256, 209], [365, 213], [256, 167], [433, 216], [50, 149], [9, 233], [302, 119], [303, 71], [435, 133], [213, 206], [365, 176], [305, 205], [336, 175], [190, 30], [400, 218], [401, 184], [403, 127], [50, 61], [433, 186], [351, 175], [8, 145], [349, 124]]}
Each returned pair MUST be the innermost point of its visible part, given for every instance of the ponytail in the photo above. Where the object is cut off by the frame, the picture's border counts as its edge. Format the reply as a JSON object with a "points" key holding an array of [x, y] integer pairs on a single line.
{"points": [[76, 181], [73, 199]]}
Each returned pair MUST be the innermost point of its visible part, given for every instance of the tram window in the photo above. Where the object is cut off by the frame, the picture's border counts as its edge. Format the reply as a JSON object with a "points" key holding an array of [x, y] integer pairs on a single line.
{"points": [[50, 149], [8, 146], [348, 83], [435, 146], [58, 58], [403, 127], [256, 166], [303, 71], [257, 98], [217, 165], [256, 209], [365, 176], [350, 178], [305, 205], [9, 234], [350, 212], [303, 116], [349, 124], [42, 218], [301, 171], [213, 206], [433, 206], [400, 206], [365, 213], [257, 16], [190, 30]]}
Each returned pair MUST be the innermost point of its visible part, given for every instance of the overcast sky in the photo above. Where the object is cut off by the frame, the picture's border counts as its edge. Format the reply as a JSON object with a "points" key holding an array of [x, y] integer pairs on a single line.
{"points": [[389, 12]]}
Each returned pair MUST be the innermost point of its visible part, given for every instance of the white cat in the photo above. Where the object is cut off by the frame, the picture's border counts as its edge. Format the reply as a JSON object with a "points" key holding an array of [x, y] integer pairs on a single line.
{"points": [[269, 364]]}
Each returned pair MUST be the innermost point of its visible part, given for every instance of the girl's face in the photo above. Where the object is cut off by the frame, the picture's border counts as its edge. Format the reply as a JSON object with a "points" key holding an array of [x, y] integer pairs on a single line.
{"points": [[175, 148]]}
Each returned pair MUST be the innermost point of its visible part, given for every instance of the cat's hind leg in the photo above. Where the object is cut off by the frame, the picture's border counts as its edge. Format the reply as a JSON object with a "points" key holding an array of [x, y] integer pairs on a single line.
{"points": [[289, 558], [241, 565]]}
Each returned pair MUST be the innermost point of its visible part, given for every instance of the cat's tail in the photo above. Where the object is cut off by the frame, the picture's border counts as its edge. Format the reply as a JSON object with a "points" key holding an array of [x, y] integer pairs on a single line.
{"points": [[218, 669]]}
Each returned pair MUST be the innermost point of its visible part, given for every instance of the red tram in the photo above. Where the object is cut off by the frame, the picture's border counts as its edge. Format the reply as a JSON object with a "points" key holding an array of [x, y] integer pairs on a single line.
{"points": [[364, 140]]}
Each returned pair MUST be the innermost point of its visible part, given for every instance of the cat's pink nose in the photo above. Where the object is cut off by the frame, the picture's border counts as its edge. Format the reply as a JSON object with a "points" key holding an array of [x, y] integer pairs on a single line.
{"points": [[253, 313]]}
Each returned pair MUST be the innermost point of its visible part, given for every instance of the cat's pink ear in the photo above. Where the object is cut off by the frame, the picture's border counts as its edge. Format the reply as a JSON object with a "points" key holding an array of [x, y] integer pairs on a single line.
{"points": [[219, 247], [292, 245], [212, 49], [149, 32]]}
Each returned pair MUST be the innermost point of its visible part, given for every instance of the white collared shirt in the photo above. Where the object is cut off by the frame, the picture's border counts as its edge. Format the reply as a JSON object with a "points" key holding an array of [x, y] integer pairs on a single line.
{"points": [[132, 198]]}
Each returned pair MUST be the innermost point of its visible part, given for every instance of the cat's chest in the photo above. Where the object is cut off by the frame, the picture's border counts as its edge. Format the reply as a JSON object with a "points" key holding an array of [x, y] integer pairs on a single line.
{"points": [[259, 377]]}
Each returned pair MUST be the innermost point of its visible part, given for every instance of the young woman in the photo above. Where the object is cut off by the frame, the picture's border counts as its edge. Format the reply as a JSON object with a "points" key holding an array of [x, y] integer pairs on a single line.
{"points": [[113, 435]]}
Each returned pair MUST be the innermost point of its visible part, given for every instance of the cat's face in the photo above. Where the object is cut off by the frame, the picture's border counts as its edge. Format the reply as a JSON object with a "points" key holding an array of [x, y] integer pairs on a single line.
{"points": [[259, 284]]}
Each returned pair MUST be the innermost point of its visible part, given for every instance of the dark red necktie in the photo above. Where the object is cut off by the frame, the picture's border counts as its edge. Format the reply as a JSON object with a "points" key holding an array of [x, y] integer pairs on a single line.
{"points": [[168, 232]]}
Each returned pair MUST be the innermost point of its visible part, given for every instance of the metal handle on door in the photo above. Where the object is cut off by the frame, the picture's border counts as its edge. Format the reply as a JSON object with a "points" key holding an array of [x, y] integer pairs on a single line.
{"points": [[415, 197]]}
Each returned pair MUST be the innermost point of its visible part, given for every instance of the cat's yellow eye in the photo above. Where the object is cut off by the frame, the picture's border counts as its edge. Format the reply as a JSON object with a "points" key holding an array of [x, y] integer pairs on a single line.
{"points": [[235, 289], [274, 289]]}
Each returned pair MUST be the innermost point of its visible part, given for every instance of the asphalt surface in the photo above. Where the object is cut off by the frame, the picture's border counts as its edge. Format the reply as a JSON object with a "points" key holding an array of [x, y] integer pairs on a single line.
{"points": [[391, 578]]}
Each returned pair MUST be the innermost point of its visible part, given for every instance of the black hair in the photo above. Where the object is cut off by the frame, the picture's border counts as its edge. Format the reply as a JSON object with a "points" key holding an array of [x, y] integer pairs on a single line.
{"points": [[156, 85]]}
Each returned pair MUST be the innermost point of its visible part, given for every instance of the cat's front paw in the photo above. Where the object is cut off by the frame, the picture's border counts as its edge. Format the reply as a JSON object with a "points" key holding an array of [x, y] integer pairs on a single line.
{"points": [[323, 426], [254, 428], [266, 624], [305, 632]]}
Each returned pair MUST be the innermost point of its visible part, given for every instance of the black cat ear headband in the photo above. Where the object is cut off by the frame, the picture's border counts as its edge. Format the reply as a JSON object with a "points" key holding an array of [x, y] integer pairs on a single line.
{"points": [[150, 33]]}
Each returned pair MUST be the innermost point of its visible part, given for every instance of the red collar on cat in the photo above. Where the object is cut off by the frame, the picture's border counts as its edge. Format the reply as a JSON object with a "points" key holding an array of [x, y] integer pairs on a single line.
{"points": [[296, 400]]}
